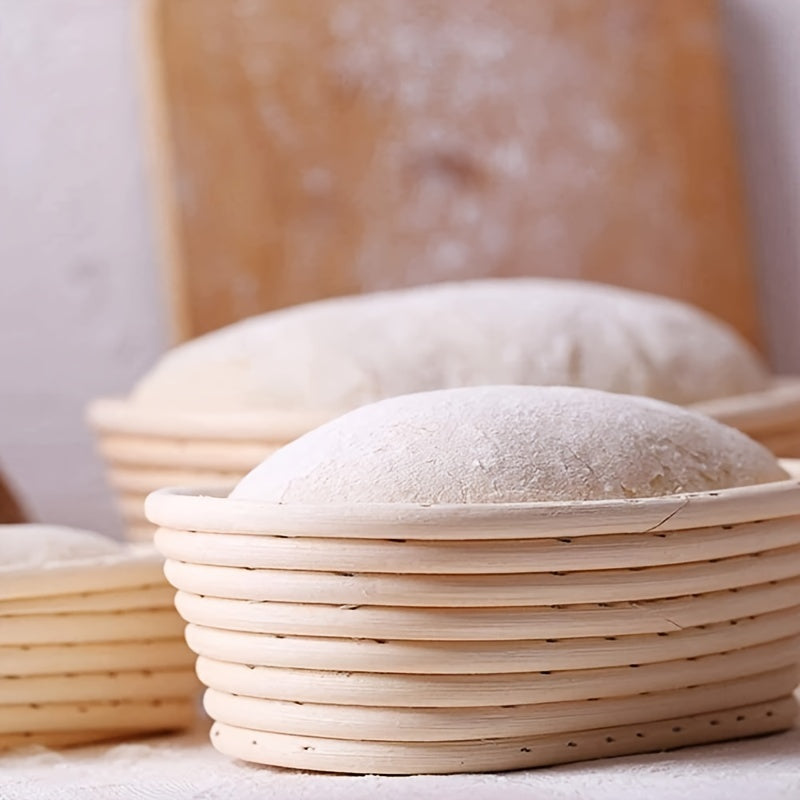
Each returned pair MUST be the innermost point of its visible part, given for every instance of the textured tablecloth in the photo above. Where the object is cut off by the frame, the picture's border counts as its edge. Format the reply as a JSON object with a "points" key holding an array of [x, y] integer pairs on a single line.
{"points": [[186, 766]]}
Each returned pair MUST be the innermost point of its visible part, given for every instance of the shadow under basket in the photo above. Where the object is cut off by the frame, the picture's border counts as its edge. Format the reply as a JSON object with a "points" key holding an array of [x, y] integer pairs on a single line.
{"points": [[401, 639], [145, 450]]}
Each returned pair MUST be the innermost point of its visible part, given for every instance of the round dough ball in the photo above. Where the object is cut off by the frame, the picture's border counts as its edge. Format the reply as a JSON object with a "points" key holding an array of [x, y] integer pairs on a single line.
{"points": [[509, 444], [29, 546], [334, 355]]}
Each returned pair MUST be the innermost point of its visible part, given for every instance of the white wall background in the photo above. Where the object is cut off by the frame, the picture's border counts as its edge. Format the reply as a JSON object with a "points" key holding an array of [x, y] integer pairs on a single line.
{"points": [[763, 44], [81, 312]]}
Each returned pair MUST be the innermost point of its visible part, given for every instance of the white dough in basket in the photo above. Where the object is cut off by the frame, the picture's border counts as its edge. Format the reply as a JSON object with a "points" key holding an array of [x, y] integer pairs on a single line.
{"points": [[506, 444], [334, 355], [29, 546], [46, 560]]}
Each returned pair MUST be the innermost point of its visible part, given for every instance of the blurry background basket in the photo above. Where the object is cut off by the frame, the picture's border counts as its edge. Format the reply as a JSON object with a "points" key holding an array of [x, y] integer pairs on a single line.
{"points": [[771, 417], [382, 638], [145, 451], [92, 648]]}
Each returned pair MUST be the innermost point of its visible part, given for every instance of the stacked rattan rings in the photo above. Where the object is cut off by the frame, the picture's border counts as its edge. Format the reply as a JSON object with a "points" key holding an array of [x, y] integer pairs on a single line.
{"points": [[405, 639], [145, 450], [771, 417], [90, 649]]}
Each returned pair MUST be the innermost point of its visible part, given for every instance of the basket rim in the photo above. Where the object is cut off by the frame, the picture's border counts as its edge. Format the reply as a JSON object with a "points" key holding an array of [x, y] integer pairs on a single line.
{"points": [[477, 557], [767, 410], [762, 412], [119, 415], [138, 565], [208, 510]]}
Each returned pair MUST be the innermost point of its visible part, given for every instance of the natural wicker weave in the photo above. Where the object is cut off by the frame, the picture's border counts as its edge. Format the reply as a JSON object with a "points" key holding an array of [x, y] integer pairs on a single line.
{"points": [[564, 631]]}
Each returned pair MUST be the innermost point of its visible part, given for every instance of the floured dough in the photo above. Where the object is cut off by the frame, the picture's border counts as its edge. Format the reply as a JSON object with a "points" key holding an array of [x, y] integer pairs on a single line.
{"points": [[337, 354], [39, 546], [47, 560], [504, 444]]}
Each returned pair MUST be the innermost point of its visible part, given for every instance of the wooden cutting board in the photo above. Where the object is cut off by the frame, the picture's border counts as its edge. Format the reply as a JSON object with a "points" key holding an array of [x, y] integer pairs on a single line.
{"points": [[313, 149]]}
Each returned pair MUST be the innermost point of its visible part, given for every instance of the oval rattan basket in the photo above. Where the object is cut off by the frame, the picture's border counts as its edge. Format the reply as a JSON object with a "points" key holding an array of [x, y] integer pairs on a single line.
{"points": [[91, 649], [405, 639]]}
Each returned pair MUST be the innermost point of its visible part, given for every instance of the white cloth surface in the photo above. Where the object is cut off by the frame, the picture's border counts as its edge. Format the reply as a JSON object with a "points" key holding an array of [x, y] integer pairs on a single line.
{"points": [[187, 767]]}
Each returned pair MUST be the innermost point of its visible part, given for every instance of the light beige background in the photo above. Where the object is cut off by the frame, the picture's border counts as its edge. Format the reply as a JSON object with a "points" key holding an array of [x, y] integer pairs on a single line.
{"points": [[81, 311]]}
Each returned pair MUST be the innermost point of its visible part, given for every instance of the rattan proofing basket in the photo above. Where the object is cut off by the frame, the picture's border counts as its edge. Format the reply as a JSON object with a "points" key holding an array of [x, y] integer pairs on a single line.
{"points": [[404, 639], [91, 650]]}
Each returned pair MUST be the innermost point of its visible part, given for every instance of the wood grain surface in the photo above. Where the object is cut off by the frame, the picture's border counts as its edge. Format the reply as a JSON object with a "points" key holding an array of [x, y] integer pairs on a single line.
{"points": [[10, 509], [312, 149]]}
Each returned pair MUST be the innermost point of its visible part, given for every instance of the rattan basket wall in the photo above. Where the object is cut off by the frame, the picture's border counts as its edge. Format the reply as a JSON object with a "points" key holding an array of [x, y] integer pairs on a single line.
{"points": [[91, 649], [406, 639]]}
